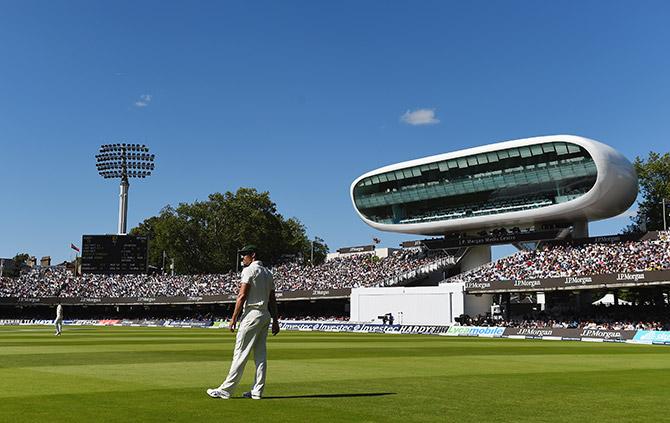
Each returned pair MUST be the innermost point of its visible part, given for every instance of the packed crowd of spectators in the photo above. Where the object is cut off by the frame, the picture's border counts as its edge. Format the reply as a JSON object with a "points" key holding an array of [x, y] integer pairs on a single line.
{"points": [[622, 317], [590, 324], [576, 324], [54, 282], [566, 260], [352, 271]]}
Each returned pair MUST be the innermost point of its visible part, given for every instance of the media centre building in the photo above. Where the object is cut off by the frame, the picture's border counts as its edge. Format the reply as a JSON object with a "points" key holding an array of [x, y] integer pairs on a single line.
{"points": [[549, 179], [562, 180]]}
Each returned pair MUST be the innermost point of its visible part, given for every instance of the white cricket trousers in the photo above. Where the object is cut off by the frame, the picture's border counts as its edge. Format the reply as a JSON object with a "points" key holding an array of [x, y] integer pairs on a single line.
{"points": [[59, 325], [251, 336]]}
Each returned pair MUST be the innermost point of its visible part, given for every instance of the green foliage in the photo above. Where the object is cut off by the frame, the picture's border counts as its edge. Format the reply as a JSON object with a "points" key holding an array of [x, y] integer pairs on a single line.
{"points": [[204, 236], [318, 251], [654, 180]]}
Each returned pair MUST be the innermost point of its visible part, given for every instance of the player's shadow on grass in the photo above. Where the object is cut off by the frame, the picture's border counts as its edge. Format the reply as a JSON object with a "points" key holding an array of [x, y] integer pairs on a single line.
{"points": [[368, 394]]}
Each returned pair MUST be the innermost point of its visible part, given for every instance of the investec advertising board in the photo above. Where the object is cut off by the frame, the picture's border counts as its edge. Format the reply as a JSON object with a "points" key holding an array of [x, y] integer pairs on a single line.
{"points": [[363, 327], [611, 280]]}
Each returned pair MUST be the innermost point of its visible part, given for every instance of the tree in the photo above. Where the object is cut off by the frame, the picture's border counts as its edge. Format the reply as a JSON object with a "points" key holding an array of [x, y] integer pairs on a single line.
{"points": [[320, 251], [654, 181], [205, 236]]}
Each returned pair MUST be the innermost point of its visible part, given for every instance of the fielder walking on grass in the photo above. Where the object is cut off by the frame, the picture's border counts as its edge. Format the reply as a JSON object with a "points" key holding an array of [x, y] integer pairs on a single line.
{"points": [[257, 296], [59, 319]]}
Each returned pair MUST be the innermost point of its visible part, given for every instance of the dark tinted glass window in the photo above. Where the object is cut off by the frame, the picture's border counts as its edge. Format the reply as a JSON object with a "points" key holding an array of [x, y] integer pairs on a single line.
{"points": [[503, 181]]}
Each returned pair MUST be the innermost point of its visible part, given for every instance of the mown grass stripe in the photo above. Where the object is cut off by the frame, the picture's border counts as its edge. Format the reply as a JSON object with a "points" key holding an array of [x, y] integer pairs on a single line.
{"points": [[160, 374]]}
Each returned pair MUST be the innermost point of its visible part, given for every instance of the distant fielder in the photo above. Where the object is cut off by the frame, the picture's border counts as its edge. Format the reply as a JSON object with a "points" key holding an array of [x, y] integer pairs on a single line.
{"points": [[59, 319], [257, 296]]}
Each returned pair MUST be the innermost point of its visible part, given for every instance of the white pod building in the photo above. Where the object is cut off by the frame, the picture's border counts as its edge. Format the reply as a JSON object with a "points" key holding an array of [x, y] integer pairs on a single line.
{"points": [[549, 179]]}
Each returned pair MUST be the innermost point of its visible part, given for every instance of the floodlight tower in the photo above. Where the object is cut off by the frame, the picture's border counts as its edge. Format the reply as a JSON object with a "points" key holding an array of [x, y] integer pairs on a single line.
{"points": [[124, 161]]}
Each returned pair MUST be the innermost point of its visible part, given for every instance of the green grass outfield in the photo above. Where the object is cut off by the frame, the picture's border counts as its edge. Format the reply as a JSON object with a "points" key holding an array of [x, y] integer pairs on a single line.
{"points": [[125, 374]]}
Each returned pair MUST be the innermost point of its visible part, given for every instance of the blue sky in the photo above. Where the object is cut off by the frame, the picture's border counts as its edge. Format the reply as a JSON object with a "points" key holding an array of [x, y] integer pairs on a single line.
{"points": [[300, 98]]}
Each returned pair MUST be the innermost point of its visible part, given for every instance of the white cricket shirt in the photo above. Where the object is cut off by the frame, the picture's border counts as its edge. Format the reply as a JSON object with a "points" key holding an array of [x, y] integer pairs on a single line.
{"points": [[260, 285]]}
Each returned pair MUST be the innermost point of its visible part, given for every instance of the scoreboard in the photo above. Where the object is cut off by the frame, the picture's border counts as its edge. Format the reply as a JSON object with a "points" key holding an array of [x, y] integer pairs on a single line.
{"points": [[114, 254]]}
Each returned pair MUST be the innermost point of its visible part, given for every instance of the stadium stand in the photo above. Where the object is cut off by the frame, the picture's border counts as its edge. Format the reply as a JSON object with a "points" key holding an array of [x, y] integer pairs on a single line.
{"points": [[567, 260], [365, 270], [343, 272]]}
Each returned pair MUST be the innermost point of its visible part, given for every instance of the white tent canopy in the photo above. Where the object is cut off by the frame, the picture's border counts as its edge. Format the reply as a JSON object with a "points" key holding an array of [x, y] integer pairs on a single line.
{"points": [[609, 300]]}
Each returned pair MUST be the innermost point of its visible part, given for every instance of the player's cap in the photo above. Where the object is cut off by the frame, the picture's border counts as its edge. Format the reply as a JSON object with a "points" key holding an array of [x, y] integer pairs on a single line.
{"points": [[248, 249]]}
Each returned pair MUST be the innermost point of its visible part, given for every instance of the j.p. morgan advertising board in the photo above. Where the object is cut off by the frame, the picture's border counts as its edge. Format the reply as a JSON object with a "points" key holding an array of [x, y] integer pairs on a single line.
{"points": [[609, 280]]}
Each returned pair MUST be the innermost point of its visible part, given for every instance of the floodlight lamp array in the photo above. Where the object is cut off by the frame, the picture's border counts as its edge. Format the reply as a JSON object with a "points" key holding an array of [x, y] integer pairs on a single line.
{"points": [[105, 148], [124, 161]]}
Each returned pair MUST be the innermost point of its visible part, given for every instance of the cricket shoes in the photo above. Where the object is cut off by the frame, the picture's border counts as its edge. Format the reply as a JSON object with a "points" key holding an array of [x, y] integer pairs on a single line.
{"points": [[218, 393], [250, 395]]}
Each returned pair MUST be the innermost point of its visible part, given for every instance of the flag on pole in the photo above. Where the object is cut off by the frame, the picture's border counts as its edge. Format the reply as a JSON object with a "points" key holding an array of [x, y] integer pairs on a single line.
{"points": [[74, 247]]}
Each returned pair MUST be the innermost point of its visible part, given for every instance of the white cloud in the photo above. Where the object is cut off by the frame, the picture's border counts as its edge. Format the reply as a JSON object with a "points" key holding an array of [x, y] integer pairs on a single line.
{"points": [[144, 100], [420, 117]]}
